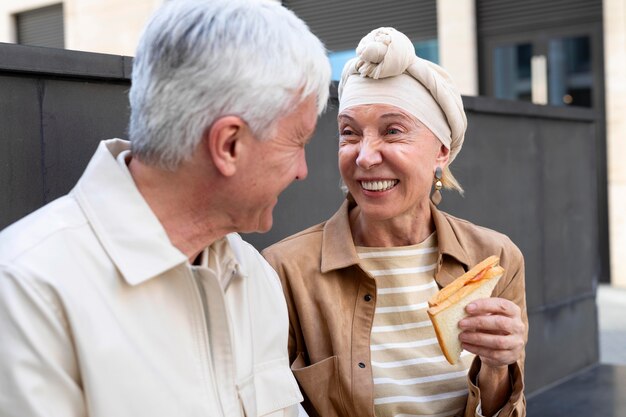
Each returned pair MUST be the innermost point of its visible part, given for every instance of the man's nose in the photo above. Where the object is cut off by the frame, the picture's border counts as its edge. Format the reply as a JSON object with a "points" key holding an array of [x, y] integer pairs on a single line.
{"points": [[302, 170]]}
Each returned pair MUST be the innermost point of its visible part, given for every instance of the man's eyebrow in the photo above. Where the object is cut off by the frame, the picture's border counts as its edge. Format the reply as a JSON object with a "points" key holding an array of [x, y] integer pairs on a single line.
{"points": [[345, 116]]}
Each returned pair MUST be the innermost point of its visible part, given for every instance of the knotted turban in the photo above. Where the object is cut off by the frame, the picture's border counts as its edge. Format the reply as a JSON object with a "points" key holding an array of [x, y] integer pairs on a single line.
{"points": [[387, 71]]}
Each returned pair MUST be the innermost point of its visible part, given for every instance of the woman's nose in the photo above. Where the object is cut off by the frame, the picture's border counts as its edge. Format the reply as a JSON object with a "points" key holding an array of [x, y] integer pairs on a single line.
{"points": [[369, 155]]}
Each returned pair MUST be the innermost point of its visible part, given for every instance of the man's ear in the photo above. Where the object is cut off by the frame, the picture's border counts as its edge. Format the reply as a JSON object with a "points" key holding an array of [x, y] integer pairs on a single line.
{"points": [[223, 141]]}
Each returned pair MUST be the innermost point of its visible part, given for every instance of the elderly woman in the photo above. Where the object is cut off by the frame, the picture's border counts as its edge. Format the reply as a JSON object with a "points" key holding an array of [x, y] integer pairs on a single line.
{"points": [[361, 343]]}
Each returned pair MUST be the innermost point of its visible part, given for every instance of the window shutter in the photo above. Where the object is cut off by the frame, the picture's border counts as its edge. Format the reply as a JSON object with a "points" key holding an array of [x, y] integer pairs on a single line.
{"points": [[341, 24], [41, 27], [498, 17]]}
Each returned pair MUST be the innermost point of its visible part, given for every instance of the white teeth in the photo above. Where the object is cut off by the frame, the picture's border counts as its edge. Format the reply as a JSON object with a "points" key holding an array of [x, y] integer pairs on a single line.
{"points": [[378, 185]]}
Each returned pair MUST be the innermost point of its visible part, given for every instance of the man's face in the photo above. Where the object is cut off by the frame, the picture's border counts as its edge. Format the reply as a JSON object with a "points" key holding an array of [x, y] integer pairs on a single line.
{"points": [[276, 162]]}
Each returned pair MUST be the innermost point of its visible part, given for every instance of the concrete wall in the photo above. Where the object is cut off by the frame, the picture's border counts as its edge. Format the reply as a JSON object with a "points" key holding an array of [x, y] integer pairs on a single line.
{"points": [[615, 84], [529, 171], [106, 26], [458, 52]]}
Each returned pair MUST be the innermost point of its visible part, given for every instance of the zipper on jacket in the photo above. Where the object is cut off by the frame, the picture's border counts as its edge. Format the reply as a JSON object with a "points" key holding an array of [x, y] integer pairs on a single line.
{"points": [[207, 345]]}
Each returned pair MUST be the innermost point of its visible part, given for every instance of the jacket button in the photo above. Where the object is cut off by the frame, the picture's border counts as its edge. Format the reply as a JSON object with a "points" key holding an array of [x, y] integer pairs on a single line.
{"points": [[367, 297], [361, 365]]}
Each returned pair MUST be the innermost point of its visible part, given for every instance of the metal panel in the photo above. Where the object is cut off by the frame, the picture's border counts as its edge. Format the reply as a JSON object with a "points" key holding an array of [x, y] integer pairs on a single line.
{"points": [[501, 175], [74, 123], [342, 24], [21, 176], [511, 16], [41, 27], [50, 61], [562, 341]]}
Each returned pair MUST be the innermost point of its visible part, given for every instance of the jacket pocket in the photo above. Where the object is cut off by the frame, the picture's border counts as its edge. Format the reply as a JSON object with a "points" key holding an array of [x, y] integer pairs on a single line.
{"points": [[269, 390], [320, 383]]}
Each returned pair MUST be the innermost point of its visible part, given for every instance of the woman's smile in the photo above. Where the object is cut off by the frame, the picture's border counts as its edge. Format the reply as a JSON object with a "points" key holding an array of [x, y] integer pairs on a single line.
{"points": [[378, 185]]}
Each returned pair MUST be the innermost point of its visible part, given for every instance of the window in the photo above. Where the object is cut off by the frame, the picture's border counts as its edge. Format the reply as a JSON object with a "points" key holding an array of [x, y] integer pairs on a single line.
{"points": [[41, 27], [428, 49], [565, 77]]}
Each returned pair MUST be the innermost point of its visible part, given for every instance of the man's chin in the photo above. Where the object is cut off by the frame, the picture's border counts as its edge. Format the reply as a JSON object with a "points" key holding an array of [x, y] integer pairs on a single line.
{"points": [[265, 226]]}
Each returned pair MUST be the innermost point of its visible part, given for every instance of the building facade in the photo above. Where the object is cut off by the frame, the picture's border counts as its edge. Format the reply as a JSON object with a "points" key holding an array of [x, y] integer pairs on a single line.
{"points": [[565, 53]]}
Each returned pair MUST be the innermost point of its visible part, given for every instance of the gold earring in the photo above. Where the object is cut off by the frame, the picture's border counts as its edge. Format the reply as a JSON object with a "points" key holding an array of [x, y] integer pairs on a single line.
{"points": [[435, 196]]}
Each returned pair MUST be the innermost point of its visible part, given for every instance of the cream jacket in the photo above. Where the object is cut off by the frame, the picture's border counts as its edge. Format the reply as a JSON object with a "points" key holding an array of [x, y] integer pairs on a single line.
{"points": [[101, 316]]}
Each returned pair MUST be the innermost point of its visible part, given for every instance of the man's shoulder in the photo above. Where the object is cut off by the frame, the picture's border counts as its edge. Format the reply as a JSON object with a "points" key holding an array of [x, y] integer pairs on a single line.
{"points": [[44, 230], [248, 256]]}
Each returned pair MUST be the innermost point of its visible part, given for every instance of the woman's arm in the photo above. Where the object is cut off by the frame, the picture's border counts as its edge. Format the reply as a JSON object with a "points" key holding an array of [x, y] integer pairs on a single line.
{"points": [[496, 333]]}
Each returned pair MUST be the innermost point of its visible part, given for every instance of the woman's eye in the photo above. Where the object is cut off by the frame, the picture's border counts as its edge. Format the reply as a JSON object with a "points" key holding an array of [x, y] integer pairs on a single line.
{"points": [[346, 132]]}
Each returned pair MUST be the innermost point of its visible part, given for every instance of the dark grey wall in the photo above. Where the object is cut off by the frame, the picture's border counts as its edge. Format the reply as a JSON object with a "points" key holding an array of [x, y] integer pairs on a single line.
{"points": [[528, 171], [55, 106]]}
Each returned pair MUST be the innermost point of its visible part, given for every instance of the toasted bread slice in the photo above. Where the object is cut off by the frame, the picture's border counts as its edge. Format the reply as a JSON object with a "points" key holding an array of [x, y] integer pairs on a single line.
{"points": [[447, 307]]}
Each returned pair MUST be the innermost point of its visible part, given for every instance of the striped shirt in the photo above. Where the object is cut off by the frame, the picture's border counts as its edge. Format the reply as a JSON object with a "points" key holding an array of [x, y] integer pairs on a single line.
{"points": [[411, 375]]}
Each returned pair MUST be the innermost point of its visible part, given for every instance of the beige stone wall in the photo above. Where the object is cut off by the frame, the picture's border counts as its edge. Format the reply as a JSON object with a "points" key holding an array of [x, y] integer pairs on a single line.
{"points": [[8, 8], [456, 32], [615, 85], [106, 26]]}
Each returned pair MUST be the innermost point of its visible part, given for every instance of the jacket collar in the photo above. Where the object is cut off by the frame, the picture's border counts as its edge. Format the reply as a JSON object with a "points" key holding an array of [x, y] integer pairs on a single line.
{"points": [[338, 250], [123, 222], [449, 243], [453, 258]]}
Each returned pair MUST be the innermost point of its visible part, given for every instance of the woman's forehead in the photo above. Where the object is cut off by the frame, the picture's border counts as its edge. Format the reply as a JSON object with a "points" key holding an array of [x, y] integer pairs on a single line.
{"points": [[377, 112]]}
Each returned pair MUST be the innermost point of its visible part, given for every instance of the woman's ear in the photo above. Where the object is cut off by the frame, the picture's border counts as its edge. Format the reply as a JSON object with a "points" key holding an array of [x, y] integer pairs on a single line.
{"points": [[223, 141], [443, 156]]}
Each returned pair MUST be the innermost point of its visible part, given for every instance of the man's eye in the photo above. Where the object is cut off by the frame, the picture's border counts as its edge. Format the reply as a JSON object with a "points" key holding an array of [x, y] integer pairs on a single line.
{"points": [[393, 131], [347, 132]]}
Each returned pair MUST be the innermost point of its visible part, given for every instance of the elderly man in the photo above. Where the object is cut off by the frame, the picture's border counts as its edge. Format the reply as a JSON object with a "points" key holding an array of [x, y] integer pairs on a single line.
{"points": [[133, 295]]}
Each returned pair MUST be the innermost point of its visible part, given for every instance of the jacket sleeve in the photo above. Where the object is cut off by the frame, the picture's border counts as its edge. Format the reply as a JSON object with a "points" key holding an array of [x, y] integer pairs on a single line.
{"points": [[514, 290], [39, 371]]}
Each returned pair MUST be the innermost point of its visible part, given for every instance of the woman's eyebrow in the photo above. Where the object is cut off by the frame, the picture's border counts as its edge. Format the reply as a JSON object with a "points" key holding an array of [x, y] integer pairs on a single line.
{"points": [[393, 115], [345, 116]]}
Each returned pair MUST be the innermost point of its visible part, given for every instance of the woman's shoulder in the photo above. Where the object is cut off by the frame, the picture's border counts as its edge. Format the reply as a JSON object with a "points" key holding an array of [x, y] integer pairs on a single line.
{"points": [[479, 241], [303, 243]]}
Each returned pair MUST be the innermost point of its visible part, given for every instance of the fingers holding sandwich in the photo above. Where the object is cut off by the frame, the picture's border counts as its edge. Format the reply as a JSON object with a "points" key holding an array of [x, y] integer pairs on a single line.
{"points": [[493, 330]]}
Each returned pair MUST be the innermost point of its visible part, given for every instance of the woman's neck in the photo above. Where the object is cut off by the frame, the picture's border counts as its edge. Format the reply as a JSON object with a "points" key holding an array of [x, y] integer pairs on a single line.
{"points": [[405, 230]]}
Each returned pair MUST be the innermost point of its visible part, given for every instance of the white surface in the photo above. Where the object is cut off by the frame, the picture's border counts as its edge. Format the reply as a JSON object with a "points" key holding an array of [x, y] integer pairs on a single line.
{"points": [[612, 321]]}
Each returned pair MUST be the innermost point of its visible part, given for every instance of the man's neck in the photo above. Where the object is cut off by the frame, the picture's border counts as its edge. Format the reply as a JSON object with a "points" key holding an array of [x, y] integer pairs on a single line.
{"points": [[185, 212]]}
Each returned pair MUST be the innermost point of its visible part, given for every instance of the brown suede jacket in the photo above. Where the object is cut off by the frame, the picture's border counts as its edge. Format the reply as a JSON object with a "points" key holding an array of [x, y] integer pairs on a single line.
{"points": [[331, 303]]}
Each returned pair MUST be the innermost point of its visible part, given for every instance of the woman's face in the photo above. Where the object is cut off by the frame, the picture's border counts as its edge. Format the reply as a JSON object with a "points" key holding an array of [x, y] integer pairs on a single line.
{"points": [[387, 159]]}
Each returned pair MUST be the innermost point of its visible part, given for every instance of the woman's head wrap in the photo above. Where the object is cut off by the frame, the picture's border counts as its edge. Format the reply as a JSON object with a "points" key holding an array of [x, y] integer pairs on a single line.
{"points": [[387, 71]]}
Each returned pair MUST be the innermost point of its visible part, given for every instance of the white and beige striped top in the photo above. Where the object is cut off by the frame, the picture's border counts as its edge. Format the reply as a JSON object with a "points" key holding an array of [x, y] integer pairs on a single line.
{"points": [[411, 375]]}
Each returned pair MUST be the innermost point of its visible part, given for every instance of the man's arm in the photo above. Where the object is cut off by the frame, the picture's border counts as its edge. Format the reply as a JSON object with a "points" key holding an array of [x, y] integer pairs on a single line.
{"points": [[40, 375]]}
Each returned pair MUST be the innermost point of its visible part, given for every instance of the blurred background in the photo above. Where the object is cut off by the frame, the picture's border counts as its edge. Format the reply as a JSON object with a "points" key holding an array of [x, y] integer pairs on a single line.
{"points": [[544, 85]]}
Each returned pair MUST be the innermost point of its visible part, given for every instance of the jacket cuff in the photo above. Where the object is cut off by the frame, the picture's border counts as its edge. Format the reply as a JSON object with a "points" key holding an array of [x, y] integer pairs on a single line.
{"points": [[515, 405]]}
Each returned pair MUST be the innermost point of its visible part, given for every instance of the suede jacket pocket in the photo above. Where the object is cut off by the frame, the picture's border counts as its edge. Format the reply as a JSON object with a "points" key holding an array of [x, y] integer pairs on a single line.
{"points": [[320, 384]]}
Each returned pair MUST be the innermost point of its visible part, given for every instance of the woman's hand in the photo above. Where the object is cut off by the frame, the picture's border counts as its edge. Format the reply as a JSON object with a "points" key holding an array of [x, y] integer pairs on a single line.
{"points": [[494, 330]]}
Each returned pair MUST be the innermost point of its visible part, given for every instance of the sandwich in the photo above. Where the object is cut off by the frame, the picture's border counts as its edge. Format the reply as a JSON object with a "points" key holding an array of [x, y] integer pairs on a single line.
{"points": [[447, 307]]}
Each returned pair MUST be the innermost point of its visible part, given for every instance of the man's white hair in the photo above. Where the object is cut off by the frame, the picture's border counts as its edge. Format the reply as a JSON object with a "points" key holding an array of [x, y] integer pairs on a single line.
{"points": [[199, 60]]}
